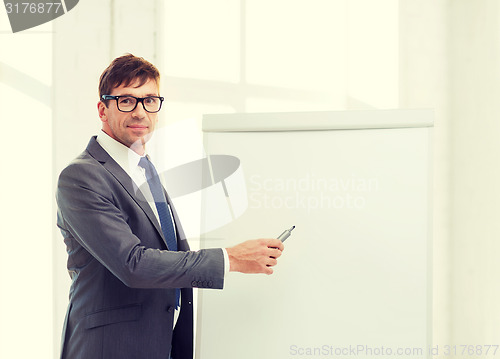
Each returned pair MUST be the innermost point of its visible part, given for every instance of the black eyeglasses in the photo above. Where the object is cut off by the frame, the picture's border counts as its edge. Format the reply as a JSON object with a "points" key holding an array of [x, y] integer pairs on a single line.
{"points": [[129, 103]]}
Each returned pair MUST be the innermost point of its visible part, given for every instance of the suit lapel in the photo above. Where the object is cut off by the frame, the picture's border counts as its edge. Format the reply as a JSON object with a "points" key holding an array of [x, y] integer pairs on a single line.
{"points": [[96, 151]]}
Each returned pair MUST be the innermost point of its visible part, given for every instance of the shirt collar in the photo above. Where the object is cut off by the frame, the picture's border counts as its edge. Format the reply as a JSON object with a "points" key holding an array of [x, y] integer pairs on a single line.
{"points": [[124, 156]]}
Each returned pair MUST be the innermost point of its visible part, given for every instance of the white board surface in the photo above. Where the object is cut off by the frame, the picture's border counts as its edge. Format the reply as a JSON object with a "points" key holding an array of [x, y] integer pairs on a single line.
{"points": [[354, 276]]}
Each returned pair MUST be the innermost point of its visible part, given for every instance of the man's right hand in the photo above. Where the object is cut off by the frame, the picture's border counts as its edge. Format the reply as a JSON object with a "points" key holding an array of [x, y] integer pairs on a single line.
{"points": [[255, 256]]}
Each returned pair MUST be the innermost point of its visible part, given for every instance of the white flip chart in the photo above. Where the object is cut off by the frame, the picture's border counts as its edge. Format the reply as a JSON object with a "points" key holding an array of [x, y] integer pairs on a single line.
{"points": [[355, 273]]}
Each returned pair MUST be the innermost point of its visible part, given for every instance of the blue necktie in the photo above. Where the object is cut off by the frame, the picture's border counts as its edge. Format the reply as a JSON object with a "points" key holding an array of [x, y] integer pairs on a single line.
{"points": [[167, 226]]}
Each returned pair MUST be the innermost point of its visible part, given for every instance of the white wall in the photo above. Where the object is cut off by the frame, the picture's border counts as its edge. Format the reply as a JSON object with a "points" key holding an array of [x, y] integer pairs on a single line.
{"points": [[452, 64], [474, 109], [26, 221]]}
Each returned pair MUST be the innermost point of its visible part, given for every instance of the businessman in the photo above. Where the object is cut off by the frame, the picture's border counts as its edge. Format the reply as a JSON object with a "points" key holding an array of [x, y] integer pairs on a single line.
{"points": [[131, 268]]}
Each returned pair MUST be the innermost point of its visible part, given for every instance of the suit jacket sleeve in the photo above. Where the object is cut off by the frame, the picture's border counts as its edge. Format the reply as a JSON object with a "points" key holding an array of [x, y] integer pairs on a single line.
{"points": [[97, 212]]}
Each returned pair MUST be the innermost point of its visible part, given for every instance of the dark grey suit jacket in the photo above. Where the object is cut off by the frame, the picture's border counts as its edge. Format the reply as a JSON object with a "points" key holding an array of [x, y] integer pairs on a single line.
{"points": [[121, 302]]}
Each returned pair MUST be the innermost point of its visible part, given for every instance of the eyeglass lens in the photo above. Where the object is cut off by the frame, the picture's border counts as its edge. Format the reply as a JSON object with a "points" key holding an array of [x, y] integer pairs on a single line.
{"points": [[151, 104]]}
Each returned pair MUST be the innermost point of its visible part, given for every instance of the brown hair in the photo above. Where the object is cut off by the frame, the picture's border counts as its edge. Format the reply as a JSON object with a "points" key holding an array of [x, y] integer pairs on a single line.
{"points": [[125, 70]]}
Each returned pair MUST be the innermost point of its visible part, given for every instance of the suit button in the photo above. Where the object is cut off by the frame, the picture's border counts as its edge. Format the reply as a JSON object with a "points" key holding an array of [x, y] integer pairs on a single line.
{"points": [[200, 283], [210, 284], [205, 283], [194, 283], [169, 309]]}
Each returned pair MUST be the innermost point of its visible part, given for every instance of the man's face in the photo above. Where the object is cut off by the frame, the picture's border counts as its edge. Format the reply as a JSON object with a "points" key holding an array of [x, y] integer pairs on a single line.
{"points": [[133, 129]]}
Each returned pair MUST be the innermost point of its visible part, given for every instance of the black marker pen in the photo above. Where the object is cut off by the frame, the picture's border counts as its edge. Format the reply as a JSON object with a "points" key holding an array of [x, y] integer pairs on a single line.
{"points": [[283, 236]]}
